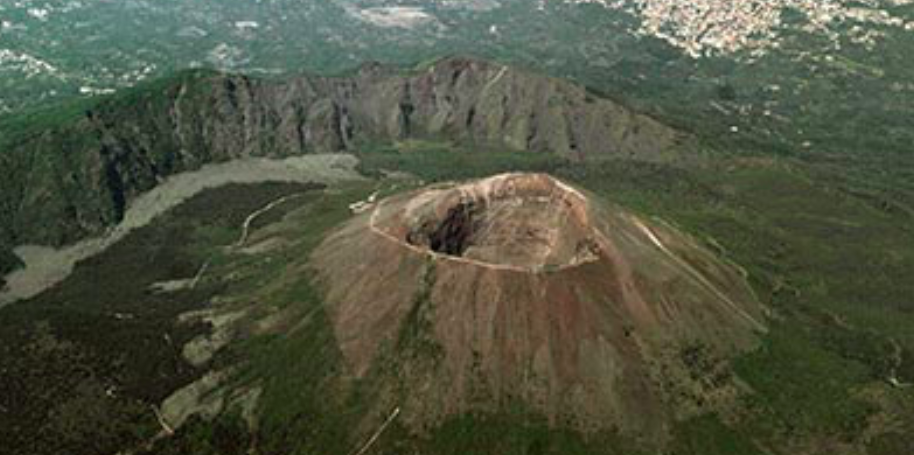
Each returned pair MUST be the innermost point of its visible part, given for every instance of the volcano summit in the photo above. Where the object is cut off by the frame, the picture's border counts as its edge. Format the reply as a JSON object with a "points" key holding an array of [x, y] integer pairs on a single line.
{"points": [[512, 222], [519, 288]]}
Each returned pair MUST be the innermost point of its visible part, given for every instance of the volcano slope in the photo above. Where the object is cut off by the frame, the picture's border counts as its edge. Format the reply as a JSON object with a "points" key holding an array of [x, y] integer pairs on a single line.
{"points": [[521, 289]]}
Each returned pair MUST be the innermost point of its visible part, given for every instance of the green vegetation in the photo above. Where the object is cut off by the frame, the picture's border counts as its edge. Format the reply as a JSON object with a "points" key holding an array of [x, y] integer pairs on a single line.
{"points": [[84, 362], [891, 444], [829, 264], [709, 436], [811, 251], [814, 198], [300, 411], [515, 432], [436, 161], [810, 97], [14, 128], [414, 337], [8, 262], [226, 436], [802, 388]]}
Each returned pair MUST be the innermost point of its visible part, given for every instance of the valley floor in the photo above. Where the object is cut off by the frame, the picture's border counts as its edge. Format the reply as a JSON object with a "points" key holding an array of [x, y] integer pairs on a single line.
{"points": [[46, 266]]}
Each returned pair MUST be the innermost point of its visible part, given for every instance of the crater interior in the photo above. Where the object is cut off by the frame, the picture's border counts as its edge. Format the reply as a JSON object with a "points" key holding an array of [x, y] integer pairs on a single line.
{"points": [[528, 221]]}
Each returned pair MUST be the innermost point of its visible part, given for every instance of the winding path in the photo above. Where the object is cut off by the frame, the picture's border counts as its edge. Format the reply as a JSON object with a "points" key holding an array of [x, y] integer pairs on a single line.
{"points": [[246, 227], [47, 266]]}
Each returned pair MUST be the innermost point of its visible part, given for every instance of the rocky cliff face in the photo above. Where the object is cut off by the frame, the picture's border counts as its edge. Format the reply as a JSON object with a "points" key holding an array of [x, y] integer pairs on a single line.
{"points": [[75, 178]]}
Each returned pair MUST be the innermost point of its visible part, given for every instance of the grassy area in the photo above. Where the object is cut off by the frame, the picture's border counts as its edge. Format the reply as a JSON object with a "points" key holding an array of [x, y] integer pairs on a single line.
{"points": [[83, 363], [517, 431], [15, 128], [707, 435], [299, 410], [435, 161], [830, 265], [8, 263]]}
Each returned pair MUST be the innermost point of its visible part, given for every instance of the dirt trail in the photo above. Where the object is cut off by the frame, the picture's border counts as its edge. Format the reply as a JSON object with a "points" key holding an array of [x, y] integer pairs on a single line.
{"points": [[897, 359], [698, 276], [393, 415], [246, 226], [46, 266]]}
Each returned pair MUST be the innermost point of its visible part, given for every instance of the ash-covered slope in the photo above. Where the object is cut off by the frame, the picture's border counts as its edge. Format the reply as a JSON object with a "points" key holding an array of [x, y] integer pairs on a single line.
{"points": [[74, 177], [519, 288]]}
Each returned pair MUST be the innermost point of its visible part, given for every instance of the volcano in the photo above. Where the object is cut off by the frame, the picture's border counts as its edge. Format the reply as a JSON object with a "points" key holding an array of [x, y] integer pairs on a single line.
{"points": [[521, 289]]}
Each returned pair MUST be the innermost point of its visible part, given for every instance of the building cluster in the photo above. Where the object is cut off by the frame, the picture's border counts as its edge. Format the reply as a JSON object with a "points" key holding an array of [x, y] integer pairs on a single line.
{"points": [[705, 27]]}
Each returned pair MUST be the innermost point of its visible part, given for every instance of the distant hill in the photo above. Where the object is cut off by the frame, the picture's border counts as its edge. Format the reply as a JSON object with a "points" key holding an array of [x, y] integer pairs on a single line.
{"points": [[73, 173]]}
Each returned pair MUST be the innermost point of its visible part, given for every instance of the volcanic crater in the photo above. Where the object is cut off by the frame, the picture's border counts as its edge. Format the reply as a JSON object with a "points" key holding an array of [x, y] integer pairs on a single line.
{"points": [[526, 222], [522, 288]]}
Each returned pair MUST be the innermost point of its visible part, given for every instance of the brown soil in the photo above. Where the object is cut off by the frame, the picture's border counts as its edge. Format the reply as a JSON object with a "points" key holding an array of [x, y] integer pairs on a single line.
{"points": [[524, 288]]}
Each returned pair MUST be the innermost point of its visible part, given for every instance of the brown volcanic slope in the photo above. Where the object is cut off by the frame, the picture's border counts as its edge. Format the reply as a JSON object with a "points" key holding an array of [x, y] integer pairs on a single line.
{"points": [[521, 288]]}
